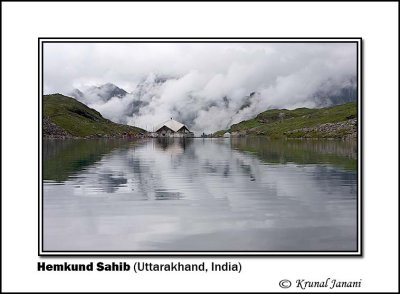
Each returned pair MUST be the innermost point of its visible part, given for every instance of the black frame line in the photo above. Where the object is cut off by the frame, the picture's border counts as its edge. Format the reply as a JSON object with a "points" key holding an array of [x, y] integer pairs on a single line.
{"points": [[219, 1], [199, 38], [207, 253]]}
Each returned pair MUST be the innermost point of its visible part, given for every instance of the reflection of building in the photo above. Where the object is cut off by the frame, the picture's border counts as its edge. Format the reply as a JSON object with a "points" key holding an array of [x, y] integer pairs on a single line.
{"points": [[174, 146], [172, 128]]}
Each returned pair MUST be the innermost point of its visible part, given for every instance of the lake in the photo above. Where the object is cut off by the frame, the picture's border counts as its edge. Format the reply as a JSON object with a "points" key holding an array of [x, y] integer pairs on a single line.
{"points": [[238, 194]]}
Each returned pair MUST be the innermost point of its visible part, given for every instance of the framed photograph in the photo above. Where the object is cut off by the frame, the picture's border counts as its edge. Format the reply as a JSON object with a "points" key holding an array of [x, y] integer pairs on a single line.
{"points": [[200, 146]]}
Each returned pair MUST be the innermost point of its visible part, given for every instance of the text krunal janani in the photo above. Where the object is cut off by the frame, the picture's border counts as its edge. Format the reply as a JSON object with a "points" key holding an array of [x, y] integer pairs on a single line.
{"points": [[328, 283]]}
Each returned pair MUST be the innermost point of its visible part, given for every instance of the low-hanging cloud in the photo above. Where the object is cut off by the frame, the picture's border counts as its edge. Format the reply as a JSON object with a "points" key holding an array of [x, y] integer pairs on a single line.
{"points": [[208, 86]]}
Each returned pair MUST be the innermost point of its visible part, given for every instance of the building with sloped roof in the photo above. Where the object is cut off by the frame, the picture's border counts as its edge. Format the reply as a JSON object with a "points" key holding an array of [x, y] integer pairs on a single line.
{"points": [[172, 128]]}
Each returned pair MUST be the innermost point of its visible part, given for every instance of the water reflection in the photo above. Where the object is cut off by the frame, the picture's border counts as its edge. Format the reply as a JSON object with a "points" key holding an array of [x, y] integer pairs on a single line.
{"points": [[240, 194], [62, 158], [173, 145], [340, 153]]}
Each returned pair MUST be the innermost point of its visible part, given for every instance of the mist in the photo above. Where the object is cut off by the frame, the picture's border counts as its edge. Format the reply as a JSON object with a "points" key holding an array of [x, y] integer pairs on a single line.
{"points": [[207, 86]]}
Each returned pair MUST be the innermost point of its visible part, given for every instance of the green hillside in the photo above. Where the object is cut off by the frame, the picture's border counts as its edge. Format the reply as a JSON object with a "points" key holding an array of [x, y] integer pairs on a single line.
{"points": [[330, 122], [66, 117]]}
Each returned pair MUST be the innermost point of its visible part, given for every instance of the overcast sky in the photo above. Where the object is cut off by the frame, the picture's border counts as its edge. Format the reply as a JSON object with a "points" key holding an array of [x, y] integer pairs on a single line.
{"points": [[283, 75]]}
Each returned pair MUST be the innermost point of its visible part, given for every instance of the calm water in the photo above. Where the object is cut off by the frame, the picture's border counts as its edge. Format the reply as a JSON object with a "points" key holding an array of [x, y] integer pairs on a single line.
{"points": [[241, 194]]}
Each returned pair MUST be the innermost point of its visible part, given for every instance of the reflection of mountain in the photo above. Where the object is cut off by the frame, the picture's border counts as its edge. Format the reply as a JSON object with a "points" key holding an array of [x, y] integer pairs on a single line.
{"points": [[340, 153], [160, 168], [213, 190], [67, 157], [109, 182]]}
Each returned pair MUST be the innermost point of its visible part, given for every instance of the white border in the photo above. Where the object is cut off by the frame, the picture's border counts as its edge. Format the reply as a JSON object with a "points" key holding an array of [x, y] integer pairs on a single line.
{"points": [[209, 253]]}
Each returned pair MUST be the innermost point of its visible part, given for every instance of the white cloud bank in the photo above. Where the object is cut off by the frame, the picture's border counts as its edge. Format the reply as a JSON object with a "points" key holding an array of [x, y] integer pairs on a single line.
{"points": [[206, 85]]}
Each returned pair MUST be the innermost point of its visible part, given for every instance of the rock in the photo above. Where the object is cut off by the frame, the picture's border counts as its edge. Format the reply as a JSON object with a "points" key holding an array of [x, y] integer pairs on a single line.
{"points": [[51, 130], [344, 130]]}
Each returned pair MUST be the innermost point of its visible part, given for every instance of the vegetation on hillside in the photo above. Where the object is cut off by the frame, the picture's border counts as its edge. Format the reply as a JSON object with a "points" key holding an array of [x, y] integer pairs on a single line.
{"points": [[330, 122], [78, 120]]}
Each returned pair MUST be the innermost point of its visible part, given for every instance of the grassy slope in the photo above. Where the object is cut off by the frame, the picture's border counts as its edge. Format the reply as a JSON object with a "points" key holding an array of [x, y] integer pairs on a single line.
{"points": [[80, 120], [275, 122]]}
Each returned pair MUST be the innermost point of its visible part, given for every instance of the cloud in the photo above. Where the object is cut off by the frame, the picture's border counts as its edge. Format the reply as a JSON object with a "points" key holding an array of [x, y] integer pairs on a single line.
{"points": [[205, 85]]}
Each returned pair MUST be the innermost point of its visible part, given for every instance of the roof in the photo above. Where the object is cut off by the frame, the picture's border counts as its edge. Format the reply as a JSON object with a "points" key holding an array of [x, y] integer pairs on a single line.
{"points": [[171, 124]]}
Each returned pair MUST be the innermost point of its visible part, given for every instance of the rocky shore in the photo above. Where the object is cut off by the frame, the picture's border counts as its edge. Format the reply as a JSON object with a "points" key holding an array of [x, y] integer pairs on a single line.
{"points": [[346, 130], [50, 130], [53, 131]]}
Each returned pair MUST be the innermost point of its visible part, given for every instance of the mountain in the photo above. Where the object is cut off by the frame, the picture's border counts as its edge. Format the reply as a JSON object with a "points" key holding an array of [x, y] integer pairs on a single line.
{"points": [[154, 92], [329, 95], [66, 117], [77, 94], [103, 93], [330, 122], [144, 92]]}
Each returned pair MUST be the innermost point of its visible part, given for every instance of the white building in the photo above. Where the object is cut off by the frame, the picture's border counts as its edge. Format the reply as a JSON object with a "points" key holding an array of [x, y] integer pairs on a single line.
{"points": [[172, 128]]}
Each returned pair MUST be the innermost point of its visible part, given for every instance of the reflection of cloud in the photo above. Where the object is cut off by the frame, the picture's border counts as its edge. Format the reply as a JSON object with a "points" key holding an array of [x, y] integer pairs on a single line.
{"points": [[147, 171], [209, 190], [167, 195], [110, 183]]}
